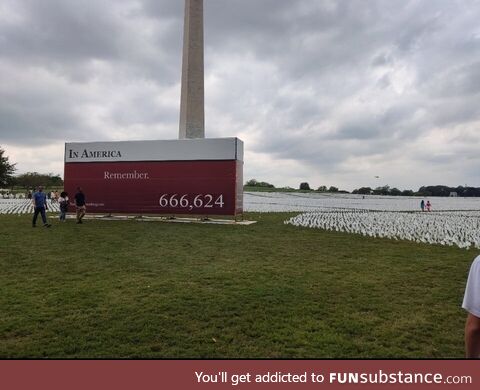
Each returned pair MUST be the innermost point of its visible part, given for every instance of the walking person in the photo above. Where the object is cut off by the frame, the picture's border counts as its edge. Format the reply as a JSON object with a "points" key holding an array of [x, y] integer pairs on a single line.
{"points": [[422, 205], [39, 200], [471, 303], [63, 202], [80, 204], [429, 206]]}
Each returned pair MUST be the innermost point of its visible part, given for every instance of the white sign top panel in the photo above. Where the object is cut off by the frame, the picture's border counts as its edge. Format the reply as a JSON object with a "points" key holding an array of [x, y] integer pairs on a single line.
{"points": [[159, 150]]}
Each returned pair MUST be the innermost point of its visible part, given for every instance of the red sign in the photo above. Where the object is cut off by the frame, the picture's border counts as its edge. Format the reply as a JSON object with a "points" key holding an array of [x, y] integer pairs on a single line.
{"points": [[196, 187]]}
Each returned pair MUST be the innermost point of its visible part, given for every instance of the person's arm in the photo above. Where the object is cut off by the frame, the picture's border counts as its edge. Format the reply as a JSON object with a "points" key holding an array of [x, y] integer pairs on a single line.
{"points": [[472, 337]]}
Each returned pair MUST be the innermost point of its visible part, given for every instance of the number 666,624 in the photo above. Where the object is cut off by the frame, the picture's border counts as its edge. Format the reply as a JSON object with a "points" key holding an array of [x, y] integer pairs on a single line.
{"points": [[189, 202]]}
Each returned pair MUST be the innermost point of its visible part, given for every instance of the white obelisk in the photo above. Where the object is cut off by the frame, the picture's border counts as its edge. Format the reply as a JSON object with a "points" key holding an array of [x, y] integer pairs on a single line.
{"points": [[192, 111]]}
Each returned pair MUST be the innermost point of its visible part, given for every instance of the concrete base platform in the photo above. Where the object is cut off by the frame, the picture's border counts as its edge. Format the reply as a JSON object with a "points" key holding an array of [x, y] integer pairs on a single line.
{"points": [[143, 218]]}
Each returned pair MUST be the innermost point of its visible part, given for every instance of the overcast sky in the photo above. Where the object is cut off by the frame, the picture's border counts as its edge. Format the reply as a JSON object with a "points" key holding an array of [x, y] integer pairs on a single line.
{"points": [[324, 91]]}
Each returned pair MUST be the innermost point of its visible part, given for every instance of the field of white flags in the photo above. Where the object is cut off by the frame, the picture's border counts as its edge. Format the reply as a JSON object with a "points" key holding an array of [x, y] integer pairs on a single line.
{"points": [[22, 206], [452, 221], [442, 227], [302, 202]]}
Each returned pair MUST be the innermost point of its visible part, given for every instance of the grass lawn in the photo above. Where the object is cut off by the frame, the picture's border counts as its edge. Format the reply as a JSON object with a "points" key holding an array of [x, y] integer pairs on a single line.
{"points": [[118, 289]]}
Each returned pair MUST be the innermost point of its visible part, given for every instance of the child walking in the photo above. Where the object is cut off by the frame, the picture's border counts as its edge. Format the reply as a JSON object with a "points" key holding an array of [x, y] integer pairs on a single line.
{"points": [[63, 202]]}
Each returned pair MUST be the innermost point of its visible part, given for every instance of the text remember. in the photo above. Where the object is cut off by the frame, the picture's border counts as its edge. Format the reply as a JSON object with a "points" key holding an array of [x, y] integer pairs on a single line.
{"points": [[126, 176]]}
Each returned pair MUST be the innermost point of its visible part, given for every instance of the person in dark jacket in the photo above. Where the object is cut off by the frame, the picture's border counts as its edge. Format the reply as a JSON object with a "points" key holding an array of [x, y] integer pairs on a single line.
{"points": [[63, 203], [80, 204]]}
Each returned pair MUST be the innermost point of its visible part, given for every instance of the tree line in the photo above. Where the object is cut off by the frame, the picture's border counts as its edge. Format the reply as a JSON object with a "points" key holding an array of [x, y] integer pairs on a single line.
{"points": [[438, 190], [426, 191], [32, 180]]}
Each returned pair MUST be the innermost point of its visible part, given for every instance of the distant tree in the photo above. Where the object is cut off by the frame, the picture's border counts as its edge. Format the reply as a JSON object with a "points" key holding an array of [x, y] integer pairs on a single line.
{"points": [[255, 183], [35, 179], [322, 189], [460, 190], [441, 190], [395, 192], [363, 191], [407, 193], [29, 180], [436, 190], [466, 191], [6, 169], [305, 186], [54, 180], [385, 190], [333, 189], [471, 191], [423, 191]]}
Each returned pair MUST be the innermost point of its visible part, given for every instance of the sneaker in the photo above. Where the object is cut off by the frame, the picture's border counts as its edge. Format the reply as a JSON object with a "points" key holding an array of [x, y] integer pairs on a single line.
{"points": [[80, 221], [47, 225]]}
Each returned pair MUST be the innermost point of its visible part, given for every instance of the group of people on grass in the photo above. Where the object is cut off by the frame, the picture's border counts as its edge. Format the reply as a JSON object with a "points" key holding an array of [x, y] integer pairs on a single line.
{"points": [[40, 205]]}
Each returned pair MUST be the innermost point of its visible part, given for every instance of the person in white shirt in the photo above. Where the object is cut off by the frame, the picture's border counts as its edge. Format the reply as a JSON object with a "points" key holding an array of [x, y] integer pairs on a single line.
{"points": [[471, 303]]}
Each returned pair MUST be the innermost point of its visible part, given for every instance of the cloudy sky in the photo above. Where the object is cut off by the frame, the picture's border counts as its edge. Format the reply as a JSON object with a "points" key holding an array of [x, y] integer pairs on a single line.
{"points": [[332, 92]]}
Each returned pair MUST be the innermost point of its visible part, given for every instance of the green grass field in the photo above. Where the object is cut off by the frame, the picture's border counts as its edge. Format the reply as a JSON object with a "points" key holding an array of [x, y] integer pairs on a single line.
{"points": [[126, 289]]}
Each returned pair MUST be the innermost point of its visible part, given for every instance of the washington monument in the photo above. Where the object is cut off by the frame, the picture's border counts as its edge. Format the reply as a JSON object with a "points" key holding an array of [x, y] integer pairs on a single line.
{"points": [[192, 112]]}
